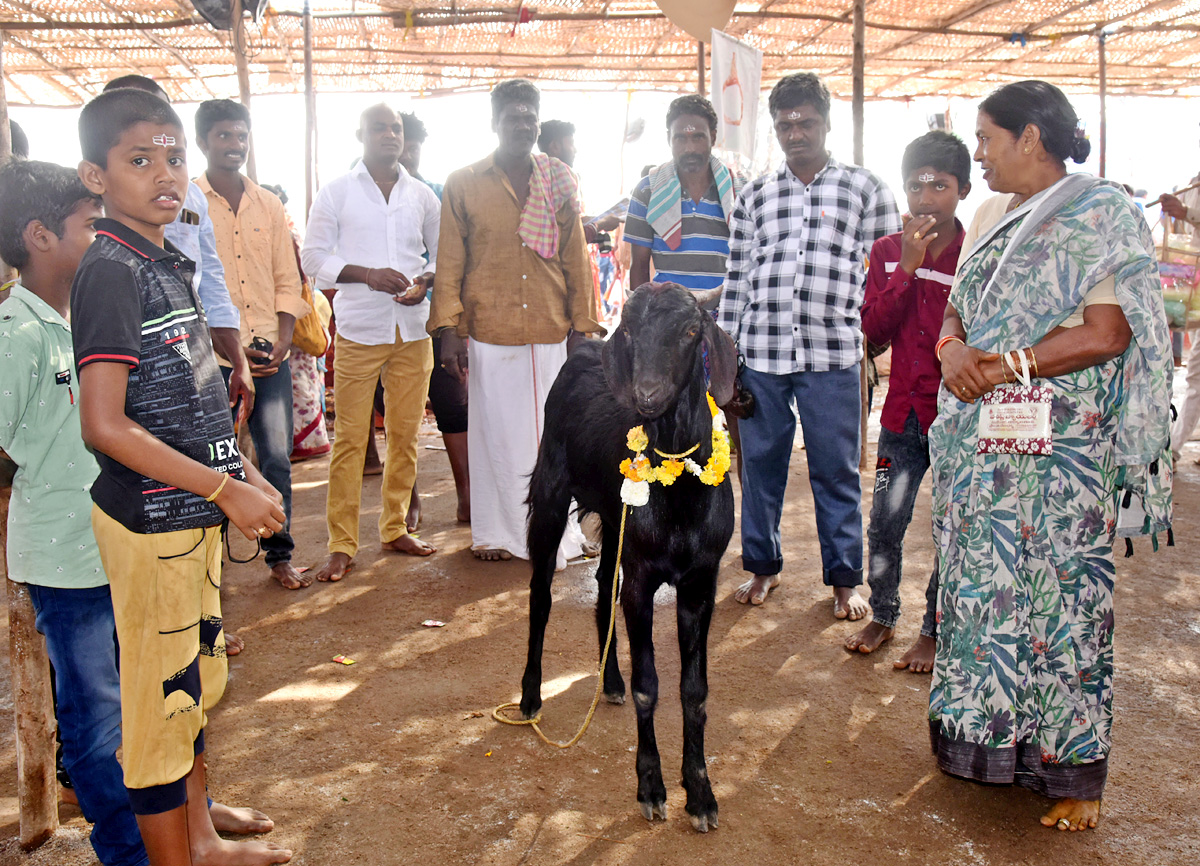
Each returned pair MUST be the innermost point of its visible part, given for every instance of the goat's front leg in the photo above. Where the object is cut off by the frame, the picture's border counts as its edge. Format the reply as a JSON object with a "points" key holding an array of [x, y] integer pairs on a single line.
{"points": [[694, 609], [614, 684], [637, 602]]}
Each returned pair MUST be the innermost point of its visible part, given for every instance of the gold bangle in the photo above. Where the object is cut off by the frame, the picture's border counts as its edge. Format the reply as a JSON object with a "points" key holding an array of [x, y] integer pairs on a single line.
{"points": [[213, 496], [1033, 360], [1003, 358]]}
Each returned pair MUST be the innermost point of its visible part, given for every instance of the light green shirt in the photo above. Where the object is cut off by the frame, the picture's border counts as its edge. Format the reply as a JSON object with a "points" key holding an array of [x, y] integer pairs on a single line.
{"points": [[50, 541]]}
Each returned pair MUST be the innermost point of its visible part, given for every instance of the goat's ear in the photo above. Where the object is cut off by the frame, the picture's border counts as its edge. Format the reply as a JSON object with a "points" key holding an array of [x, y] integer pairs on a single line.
{"points": [[722, 362], [618, 366]]}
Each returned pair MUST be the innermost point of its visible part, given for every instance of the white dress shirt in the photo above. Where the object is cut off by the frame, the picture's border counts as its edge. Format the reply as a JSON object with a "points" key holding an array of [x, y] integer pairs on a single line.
{"points": [[352, 224]]}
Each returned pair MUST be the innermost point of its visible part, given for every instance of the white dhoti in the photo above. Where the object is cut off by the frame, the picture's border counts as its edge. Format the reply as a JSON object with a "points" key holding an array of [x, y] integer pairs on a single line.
{"points": [[507, 389]]}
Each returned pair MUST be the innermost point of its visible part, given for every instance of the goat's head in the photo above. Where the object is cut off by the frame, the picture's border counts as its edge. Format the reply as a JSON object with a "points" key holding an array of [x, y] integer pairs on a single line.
{"points": [[660, 346]]}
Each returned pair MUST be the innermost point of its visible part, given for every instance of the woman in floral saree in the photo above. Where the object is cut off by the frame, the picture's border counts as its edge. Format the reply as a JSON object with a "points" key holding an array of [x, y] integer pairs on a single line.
{"points": [[1065, 281]]}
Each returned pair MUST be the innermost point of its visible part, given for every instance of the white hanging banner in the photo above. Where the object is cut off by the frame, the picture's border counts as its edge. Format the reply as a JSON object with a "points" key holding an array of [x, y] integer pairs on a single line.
{"points": [[736, 84]]}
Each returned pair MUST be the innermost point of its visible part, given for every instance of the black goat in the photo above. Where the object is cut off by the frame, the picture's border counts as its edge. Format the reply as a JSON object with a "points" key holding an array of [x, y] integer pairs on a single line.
{"points": [[652, 372]]}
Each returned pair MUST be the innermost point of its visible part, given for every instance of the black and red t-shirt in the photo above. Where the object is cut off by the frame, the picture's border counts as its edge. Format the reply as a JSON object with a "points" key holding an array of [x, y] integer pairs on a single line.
{"points": [[132, 303]]}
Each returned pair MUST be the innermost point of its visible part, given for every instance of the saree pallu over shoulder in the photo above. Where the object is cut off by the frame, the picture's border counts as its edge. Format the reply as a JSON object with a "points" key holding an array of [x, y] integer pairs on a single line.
{"points": [[1022, 684]]}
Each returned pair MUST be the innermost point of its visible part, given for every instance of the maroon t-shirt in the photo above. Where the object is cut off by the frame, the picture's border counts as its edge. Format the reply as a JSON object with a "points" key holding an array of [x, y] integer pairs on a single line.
{"points": [[906, 310]]}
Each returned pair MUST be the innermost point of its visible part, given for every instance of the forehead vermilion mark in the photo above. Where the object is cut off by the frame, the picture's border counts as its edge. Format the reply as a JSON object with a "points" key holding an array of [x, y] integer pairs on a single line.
{"points": [[926, 178], [164, 140]]}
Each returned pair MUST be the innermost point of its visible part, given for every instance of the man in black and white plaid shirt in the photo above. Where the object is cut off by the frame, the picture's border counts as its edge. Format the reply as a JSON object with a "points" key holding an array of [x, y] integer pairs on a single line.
{"points": [[798, 243]]}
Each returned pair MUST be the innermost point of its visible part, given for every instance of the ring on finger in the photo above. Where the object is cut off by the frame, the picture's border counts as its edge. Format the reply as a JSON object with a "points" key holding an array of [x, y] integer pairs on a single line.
{"points": [[916, 236]]}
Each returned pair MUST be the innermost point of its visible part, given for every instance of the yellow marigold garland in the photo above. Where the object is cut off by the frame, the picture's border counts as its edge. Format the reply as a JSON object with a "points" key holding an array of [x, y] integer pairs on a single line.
{"points": [[639, 474]]}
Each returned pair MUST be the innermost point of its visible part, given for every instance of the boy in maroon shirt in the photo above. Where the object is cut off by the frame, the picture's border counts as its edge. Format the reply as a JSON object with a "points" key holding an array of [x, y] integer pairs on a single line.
{"points": [[908, 283]]}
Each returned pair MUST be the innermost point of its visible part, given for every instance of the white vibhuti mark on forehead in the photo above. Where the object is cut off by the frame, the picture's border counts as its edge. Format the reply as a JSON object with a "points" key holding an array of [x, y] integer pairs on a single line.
{"points": [[689, 129], [925, 178], [522, 108], [164, 140], [795, 114]]}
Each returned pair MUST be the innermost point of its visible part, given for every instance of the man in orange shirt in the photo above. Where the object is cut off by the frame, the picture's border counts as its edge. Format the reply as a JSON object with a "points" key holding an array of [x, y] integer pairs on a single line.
{"points": [[255, 246]]}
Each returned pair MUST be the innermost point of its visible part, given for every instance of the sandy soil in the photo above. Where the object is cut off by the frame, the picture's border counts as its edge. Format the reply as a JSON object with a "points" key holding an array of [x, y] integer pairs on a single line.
{"points": [[818, 756]]}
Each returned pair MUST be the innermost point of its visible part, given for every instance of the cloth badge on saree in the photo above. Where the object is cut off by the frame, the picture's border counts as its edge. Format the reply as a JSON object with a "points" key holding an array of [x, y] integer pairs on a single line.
{"points": [[1015, 419]]}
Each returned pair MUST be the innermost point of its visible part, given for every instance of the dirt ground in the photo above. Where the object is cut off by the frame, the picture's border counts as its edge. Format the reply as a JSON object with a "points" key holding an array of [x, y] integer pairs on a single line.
{"points": [[817, 756]]}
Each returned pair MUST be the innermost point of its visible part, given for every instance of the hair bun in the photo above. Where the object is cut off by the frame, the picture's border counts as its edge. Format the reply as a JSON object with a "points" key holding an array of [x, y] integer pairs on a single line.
{"points": [[1080, 147]]}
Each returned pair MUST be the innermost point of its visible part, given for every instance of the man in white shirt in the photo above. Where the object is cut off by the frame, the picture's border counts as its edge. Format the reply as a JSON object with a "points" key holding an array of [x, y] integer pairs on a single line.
{"points": [[366, 236]]}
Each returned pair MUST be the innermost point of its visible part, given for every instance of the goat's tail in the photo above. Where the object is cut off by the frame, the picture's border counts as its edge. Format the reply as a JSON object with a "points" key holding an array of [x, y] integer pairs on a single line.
{"points": [[549, 501]]}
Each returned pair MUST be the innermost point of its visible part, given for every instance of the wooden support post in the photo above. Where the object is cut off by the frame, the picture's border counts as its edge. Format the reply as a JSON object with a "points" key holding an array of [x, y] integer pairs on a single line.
{"points": [[310, 115], [1103, 107], [6, 273], [238, 42], [700, 66], [859, 98]]}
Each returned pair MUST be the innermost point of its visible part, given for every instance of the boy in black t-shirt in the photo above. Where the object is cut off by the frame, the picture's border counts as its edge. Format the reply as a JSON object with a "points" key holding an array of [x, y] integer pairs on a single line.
{"points": [[153, 407]]}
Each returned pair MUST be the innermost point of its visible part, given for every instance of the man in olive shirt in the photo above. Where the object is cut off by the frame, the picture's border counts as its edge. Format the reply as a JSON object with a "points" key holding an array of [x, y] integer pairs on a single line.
{"points": [[513, 280]]}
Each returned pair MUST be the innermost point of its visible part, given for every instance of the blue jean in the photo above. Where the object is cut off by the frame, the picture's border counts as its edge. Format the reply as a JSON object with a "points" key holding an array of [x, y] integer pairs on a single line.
{"points": [[829, 408], [81, 641], [271, 431], [902, 463]]}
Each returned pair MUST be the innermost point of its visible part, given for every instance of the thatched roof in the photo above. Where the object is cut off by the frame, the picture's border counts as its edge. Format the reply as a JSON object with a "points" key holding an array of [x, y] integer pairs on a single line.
{"points": [[60, 52]]}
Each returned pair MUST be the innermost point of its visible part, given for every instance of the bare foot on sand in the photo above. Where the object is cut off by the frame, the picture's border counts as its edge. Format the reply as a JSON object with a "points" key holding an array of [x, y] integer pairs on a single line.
{"points": [[239, 820], [1068, 814], [492, 554], [233, 645], [411, 545], [754, 591], [288, 577], [223, 853], [67, 795], [870, 638], [848, 604], [919, 658], [337, 566]]}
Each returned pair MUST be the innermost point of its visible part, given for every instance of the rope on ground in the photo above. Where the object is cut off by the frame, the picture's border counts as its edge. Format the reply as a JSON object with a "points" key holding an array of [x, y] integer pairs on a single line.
{"points": [[499, 712]]}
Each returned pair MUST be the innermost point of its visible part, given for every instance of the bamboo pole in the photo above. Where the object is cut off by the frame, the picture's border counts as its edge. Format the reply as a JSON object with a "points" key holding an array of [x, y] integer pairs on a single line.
{"points": [[700, 66], [238, 42], [310, 115], [858, 99], [1103, 106]]}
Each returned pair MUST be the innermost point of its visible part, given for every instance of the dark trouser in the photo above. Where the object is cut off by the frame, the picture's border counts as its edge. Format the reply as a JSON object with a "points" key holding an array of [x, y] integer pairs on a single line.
{"points": [[81, 641], [271, 431], [829, 406], [903, 461]]}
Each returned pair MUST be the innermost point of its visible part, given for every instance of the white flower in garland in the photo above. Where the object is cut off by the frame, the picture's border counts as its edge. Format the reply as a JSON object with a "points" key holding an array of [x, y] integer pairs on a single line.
{"points": [[636, 493]]}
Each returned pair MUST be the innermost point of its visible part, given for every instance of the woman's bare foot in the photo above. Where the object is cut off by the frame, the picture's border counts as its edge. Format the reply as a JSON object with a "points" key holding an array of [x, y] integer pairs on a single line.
{"points": [[337, 566], [288, 577], [239, 820], [920, 656], [1068, 814], [754, 591], [492, 554], [412, 520], [223, 853], [870, 638], [411, 545], [848, 604], [233, 645]]}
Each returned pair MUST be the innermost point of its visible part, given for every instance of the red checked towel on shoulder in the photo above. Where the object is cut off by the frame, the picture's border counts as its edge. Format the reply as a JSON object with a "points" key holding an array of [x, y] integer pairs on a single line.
{"points": [[551, 185]]}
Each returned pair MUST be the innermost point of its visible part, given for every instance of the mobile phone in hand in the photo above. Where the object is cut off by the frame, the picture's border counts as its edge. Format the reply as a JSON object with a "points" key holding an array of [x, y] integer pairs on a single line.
{"points": [[259, 344]]}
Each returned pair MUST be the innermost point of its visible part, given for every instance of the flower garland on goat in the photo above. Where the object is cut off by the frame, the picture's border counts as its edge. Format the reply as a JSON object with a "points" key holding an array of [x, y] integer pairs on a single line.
{"points": [[639, 474]]}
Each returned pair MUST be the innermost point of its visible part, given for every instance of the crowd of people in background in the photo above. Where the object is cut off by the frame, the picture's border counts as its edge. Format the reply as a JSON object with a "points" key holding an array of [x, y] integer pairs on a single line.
{"points": [[159, 308]]}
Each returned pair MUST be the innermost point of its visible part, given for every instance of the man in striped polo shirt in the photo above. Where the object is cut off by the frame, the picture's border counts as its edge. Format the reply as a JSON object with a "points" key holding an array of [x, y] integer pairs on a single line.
{"points": [[679, 213]]}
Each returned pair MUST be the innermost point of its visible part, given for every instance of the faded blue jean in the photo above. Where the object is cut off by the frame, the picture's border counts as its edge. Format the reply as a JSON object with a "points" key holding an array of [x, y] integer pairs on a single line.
{"points": [[902, 462], [81, 641], [271, 431], [829, 407]]}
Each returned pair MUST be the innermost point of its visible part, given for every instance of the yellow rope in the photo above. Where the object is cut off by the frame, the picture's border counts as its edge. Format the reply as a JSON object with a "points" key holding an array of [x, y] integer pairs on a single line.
{"points": [[498, 713]]}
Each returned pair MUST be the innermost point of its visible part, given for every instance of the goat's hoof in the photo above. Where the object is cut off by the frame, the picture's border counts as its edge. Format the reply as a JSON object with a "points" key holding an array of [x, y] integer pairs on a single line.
{"points": [[617, 698], [652, 810], [530, 710], [702, 823]]}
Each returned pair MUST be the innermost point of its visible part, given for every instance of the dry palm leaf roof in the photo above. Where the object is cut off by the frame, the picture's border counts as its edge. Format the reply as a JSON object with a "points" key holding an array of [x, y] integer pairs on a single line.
{"points": [[60, 52]]}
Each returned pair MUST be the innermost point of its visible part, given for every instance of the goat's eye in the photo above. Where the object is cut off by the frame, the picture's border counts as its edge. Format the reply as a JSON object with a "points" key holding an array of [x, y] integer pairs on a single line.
{"points": [[693, 332]]}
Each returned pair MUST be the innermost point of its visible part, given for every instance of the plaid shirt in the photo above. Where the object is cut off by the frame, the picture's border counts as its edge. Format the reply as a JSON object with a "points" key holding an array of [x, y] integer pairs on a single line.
{"points": [[797, 266]]}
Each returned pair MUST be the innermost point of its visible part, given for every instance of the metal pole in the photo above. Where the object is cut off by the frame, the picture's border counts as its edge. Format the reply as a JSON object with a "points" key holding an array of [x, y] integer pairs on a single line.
{"points": [[238, 35], [310, 114], [1103, 106], [700, 65]]}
